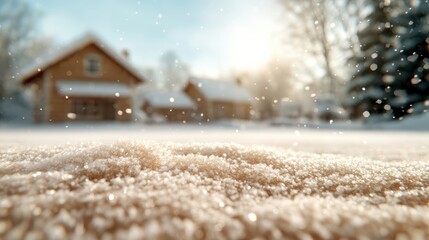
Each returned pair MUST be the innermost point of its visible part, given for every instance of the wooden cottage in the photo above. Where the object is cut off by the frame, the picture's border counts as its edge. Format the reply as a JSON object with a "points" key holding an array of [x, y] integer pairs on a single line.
{"points": [[218, 99], [171, 106], [86, 81]]}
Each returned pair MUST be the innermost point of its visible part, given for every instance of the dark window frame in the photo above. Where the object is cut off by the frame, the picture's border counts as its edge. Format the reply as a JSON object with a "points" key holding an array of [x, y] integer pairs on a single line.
{"points": [[92, 65]]}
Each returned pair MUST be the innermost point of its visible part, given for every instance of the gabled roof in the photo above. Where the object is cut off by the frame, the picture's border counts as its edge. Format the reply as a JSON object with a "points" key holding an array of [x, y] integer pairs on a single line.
{"points": [[224, 91], [51, 59], [168, 99]]}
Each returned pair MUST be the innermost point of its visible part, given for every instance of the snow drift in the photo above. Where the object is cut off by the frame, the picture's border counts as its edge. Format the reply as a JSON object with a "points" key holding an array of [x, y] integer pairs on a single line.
{"points": [[132, 190]]}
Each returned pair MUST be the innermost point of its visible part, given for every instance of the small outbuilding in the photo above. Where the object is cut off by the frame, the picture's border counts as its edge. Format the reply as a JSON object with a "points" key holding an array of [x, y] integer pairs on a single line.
{"points": [[218, 99], [172, 106]]}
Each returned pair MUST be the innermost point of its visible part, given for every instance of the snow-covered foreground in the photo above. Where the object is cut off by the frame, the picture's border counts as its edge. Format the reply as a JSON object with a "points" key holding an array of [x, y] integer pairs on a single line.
{"points": [[160, 184]]}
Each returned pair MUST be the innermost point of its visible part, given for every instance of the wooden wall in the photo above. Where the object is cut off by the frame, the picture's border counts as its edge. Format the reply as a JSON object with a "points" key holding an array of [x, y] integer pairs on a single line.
{"points": [[230, 110]]}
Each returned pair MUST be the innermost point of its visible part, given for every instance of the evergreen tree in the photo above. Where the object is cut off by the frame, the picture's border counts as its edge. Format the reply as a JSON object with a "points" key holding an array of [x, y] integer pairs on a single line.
{"points": [[369, 89], [410, 61]]}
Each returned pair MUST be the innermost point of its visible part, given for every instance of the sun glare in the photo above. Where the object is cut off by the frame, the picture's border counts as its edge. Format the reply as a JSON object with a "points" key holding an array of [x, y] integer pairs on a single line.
{"points": [[251, 46]]}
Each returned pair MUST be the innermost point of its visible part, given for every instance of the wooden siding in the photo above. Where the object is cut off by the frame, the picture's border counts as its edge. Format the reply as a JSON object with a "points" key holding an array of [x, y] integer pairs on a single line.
{"points": [[227, 110]]}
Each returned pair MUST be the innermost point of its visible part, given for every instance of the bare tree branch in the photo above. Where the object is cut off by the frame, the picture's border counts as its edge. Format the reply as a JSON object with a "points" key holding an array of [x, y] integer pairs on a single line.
{"points": [[17, 42], [325, 31]]}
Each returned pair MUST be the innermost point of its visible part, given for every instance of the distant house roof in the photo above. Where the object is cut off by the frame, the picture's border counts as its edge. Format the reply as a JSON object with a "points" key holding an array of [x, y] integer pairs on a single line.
{"points": [[93, 89], [217, 90], [168, 99], [50, 59]]}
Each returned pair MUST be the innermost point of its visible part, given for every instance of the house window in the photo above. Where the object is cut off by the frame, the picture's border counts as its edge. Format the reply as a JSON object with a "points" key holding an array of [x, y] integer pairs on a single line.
{"points": [[92, 65]]}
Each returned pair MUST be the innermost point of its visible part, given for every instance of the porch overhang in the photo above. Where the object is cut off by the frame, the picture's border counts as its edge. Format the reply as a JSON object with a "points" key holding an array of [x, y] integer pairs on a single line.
{"points": [[82, 88]]}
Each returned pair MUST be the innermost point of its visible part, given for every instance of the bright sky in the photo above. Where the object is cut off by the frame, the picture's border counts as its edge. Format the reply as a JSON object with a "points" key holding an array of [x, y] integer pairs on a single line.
{"points": [[214, 37]]}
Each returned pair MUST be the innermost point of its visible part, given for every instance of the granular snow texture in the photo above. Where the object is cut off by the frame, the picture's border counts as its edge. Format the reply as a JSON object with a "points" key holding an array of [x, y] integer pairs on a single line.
{"points": [[134, 190]]}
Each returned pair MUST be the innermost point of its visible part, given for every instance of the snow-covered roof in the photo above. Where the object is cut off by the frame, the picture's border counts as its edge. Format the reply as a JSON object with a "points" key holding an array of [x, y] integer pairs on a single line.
{"points": [[94, 89], [50, 58], [218, 90], [168, 99]]}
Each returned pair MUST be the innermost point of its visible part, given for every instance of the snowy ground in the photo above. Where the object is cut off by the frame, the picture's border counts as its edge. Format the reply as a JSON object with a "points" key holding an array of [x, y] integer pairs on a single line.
{"points": [[192, 182]]}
